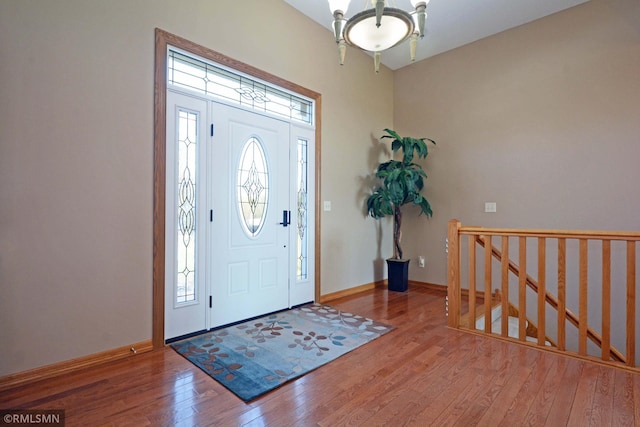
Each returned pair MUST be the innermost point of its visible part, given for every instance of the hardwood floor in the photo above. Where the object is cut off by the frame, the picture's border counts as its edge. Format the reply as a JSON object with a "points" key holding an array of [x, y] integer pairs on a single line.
{"points": [[421, 374]]}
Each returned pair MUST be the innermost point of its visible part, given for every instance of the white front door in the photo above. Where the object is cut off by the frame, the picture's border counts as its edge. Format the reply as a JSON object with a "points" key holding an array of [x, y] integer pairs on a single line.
{"points": [[239, 236], [251, 212]]}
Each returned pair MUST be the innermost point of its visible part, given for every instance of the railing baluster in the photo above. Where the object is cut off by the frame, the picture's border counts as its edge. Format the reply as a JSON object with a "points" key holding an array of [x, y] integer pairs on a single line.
{"points": [[584, 320], [631, 303], [542, 290], [487, 284], [606, 299], [522, 289], [562, 293], [504, 262], [472, 281], [453, 274]]}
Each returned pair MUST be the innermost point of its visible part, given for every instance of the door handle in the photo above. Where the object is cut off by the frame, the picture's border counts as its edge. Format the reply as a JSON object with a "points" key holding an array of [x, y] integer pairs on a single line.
{"points": [[286, 218]]}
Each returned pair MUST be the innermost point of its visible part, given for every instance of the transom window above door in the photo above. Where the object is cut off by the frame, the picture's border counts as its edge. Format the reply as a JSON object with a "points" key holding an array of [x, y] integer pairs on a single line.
{"points": [[189, 72]]}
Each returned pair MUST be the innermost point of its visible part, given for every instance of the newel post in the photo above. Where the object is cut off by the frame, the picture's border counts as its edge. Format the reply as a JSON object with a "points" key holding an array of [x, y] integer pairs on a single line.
{"points": [[453, 272]]}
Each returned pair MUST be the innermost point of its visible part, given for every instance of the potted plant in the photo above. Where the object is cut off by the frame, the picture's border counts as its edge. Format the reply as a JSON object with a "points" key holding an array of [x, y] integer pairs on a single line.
{"points": [[402, 182]]}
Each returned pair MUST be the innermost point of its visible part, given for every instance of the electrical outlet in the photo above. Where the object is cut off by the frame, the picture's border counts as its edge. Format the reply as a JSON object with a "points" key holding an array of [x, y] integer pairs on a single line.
{"points": [[421, 261]]}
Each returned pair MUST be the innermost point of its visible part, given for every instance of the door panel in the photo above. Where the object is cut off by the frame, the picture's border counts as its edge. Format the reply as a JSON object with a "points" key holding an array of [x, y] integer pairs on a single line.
{"points": [[302, 193], [185, 287], [249, 245]]}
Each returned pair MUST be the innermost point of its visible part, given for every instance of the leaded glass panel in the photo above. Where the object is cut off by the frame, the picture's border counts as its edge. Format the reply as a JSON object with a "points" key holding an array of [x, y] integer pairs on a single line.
{"points": [[186, 208], [303, 193], [252, 187], [197, 75]]}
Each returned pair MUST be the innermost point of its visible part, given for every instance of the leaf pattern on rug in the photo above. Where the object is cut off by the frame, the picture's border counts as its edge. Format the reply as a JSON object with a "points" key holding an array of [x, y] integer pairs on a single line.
{"points": [[327, 314], [254, 357], [280, 376], [248, 350], [218, 336], [260, 332], [309, 342], [212, 361]]}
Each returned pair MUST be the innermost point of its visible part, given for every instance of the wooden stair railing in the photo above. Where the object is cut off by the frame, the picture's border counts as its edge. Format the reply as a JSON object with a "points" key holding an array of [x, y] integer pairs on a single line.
{"points": [[554, 303], [531, 329], [479, 235]]}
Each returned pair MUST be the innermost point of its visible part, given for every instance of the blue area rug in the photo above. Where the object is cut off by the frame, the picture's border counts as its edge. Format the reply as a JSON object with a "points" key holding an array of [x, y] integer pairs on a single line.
{"points": [[257, 356]]}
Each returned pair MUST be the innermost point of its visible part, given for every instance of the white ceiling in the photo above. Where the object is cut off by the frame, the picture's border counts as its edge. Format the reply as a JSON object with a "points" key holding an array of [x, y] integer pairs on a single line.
{"points": [[450, 23]]}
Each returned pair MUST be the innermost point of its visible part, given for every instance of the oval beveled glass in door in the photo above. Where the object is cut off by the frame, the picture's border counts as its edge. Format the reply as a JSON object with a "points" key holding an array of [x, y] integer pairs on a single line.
{"points": [[252, 187]]}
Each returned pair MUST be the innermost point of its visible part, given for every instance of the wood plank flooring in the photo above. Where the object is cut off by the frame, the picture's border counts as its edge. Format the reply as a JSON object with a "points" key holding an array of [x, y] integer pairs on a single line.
{"points": [[420, 374]]}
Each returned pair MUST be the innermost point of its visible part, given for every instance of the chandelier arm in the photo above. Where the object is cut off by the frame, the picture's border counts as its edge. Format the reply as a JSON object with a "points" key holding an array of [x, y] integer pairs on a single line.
{"points": [[421, 9], [342, 51], [338, 17], [413, 42], [379, 11]]}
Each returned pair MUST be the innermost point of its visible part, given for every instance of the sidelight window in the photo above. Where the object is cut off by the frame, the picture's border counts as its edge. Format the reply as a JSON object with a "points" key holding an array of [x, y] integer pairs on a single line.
{"points": [[186, 206], [303, 211]]}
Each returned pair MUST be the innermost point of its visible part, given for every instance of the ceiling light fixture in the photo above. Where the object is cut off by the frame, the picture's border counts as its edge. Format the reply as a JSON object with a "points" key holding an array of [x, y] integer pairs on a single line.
{"points": [[379, 28]]}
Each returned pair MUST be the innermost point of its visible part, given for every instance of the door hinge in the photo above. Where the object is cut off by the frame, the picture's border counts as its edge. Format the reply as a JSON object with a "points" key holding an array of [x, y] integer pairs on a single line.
{"points": [[210, 301], [211, 215], [211, 129]]}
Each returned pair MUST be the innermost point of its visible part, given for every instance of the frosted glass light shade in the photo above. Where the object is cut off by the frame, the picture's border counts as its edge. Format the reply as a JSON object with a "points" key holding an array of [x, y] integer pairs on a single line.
{"points": [[361, 31]]}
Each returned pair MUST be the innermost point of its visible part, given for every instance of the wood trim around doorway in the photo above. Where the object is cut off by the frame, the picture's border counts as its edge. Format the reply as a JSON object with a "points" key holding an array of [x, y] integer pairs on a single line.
{"points": [[164, 39]]}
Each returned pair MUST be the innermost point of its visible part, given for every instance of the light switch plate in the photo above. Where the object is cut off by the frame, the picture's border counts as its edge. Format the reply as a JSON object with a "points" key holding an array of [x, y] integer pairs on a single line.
{"points": [[490, 207]]}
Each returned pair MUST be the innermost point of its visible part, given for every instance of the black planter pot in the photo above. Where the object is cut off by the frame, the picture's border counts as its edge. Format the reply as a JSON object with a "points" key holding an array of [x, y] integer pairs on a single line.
{"points": [[398, 274]]}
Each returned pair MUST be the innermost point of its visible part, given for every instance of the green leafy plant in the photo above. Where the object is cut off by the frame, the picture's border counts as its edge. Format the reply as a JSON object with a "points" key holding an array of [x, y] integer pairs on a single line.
{"points": [[402, 182]]}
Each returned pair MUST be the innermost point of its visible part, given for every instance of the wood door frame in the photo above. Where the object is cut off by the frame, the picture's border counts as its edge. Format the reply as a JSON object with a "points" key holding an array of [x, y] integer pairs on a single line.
{"points": [[162, 40]]}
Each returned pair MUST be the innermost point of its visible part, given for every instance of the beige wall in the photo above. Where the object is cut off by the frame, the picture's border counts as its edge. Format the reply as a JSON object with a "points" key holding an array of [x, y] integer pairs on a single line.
{"points": [[76, 144], [543, 119]]}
